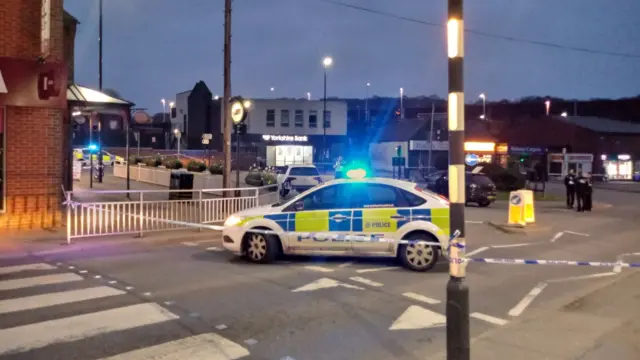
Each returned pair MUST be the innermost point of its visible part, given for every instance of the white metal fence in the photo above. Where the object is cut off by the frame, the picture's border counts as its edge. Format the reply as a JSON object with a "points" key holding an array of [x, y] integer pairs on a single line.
{"points": [[100, 213]]}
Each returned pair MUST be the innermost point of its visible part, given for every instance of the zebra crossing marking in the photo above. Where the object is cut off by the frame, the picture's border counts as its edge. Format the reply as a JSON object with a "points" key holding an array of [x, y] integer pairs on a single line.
{"points": [[37, 335], [57, 298], [39, 280], [20, 268]]}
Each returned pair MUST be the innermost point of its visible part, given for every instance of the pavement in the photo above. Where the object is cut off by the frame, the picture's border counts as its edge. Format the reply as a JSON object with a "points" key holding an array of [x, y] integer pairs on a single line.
{"points": [[178, 295]]}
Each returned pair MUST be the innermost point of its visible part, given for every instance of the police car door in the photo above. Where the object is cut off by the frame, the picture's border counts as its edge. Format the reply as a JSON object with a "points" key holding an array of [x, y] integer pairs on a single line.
{"points": [[321, 221], [376, 216]]}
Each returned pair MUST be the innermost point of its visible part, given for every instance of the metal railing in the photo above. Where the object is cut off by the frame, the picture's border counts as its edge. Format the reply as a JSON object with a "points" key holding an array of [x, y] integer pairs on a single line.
{"points": [[101, 213]]}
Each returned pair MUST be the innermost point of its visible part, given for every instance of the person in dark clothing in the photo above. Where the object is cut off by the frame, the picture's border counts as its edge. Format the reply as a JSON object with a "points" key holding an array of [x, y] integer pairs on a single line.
{"points": [[570, 185], [582, 185], [588, 194]]}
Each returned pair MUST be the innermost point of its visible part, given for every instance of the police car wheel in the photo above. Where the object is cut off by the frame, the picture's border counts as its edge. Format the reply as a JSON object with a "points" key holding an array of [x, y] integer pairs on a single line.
{"points": [[417, 255], [260, 248]]}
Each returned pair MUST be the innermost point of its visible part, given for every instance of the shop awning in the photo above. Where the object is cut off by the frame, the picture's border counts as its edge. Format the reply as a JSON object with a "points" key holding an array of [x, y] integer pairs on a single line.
{"points": [[81, 94]]}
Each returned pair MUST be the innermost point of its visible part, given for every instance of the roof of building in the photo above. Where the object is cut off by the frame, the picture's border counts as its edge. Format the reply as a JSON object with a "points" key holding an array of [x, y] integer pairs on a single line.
{"points": [[414, 129], [67, 16], [83, 94], [602, 125]]}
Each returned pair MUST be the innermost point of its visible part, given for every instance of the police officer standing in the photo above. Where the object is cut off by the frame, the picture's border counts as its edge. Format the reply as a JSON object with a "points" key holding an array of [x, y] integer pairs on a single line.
{"points": [[582, 185], [588, 193], [570, 185]]}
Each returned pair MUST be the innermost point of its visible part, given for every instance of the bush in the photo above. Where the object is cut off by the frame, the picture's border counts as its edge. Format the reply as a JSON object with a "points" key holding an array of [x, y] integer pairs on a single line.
{"points": [[173, 164], [216, 169], [196, 166], [505, 179], [134, 160], [153, 162]]}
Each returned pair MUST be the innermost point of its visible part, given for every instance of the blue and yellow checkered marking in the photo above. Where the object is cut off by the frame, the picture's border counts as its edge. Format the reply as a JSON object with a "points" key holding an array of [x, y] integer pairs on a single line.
{"points": [[281, 219]]}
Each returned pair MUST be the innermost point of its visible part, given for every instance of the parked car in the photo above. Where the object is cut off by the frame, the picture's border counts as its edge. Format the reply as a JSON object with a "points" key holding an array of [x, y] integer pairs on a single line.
{"points": [[299, 178], [480, 189]]}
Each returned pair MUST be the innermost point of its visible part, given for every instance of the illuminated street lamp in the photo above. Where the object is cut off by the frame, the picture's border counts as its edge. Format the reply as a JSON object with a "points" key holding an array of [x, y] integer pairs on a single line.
{"points": [[326, 62], [547, 105], [484, 106], [366, 105], [178, 135], [401, 103]]}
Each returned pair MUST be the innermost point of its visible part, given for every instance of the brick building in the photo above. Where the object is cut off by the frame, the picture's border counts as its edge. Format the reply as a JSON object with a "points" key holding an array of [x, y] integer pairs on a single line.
{"points": [[33, 111]]}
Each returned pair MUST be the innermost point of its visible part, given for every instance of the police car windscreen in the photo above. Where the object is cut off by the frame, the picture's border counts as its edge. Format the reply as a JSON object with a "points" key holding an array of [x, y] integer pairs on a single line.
{"points": [[304, 171]]}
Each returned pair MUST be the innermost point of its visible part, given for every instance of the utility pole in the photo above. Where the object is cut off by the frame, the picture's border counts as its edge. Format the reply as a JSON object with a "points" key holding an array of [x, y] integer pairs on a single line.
{"points": [[226, 173], [458, 341], [100, 160]]}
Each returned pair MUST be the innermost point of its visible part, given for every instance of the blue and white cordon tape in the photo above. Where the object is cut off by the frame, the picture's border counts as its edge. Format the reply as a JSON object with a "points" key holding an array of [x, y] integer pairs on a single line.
{"points": [[340, 237]]}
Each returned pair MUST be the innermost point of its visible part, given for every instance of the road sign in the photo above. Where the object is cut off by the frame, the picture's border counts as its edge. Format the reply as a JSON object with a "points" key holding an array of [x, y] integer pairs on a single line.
{"points": [[471, 159], [205, 141], [207, 136]]}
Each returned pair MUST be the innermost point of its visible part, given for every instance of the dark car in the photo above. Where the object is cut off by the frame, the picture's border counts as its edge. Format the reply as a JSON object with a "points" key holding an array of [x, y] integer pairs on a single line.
{"points": [[480, 189]]}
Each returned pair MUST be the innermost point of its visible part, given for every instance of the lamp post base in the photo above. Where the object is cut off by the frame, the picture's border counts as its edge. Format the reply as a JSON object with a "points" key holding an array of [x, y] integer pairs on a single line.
{"points": [[458, 340]]}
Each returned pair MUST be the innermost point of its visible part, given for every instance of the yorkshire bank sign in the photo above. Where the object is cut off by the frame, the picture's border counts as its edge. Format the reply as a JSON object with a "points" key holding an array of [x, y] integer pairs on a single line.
{"points": [[296, 138], [31, 84]]}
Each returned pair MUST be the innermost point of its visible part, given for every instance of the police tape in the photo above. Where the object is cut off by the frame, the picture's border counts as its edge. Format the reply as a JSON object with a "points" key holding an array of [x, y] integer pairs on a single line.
{"points": [[546, 262], [301, 236]]}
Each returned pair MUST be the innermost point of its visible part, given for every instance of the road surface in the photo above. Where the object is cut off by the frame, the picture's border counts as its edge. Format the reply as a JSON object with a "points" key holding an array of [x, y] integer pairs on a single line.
{"points": [[185, 298]]}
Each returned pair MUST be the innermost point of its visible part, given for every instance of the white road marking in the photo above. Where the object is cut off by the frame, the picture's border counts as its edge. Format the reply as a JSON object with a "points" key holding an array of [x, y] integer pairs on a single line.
{"points": [[325, 283], [583, 277], [557, 236], [200, 347], [129, 288], [221, 327], [474, 222], [510, 245], [488, 318], [366, 281], [361, 271], [477, 251], [58, 298], [19, 268], [98, 276], [189, 243], [527, 300], [422, 298], [83, 271], [251, 342], [39, 280], [33, 336], [417, 317], [347, 264], [318, 268], [112, 282], [214, 248], [575, 233]]}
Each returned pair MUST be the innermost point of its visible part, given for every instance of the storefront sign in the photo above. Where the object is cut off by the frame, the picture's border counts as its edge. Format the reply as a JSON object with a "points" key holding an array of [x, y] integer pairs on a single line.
{"points": [[502, 149], [29, 83], [424, 145], [624, 157], [526, 150], [296, 138], [479, 146]]}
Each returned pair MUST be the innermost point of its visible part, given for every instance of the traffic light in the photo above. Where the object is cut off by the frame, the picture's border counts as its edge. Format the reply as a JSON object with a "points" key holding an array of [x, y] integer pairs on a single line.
{"points": [[241, 128]]}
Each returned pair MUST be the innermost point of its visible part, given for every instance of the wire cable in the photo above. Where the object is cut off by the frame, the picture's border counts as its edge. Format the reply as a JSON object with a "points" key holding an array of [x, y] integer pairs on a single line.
{"points": [[483, 33]]}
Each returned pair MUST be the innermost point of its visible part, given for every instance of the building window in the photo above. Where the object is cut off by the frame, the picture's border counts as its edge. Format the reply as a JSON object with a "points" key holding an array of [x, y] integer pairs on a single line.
{"points": [[327, 119], [271, 118], [299, 119], [313, 119], [284, 118]]}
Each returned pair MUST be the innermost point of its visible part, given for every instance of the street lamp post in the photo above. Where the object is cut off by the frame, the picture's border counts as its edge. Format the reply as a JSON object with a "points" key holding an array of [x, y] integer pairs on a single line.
{"points": [[326, 62], [458, 342], [484, 106], [178, 135], [308, 96], [366, 105], [547, 105], [164, 110], [171, 106], [401, 103]]}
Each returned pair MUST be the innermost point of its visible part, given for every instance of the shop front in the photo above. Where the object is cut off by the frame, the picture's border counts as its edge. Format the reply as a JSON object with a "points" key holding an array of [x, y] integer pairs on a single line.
{"points": [[282, 150], [559, 164], [527, 157], [618, 166], [479, 152]]}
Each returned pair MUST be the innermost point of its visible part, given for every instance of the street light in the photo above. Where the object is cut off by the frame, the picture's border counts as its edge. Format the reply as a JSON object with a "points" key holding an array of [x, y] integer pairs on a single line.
{"points": [[547, 105], [458, 340], [564, 114], [401, 105], [164, 110], [326, 62], [247, 104], [178, 135], [484, 106], [308, 96], [366, 105]]}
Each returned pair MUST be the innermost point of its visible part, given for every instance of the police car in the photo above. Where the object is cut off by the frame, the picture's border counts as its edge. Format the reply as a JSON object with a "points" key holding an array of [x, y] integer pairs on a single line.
{"points": [[346, 217]]}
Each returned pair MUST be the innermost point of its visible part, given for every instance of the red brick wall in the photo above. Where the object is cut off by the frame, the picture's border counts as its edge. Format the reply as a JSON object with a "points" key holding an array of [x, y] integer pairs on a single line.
{"points": [[34, 136]]}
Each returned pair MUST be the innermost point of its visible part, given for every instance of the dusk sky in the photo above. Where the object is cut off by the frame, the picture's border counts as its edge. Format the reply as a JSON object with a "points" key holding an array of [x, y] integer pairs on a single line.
{"points": [[156, 48]]}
